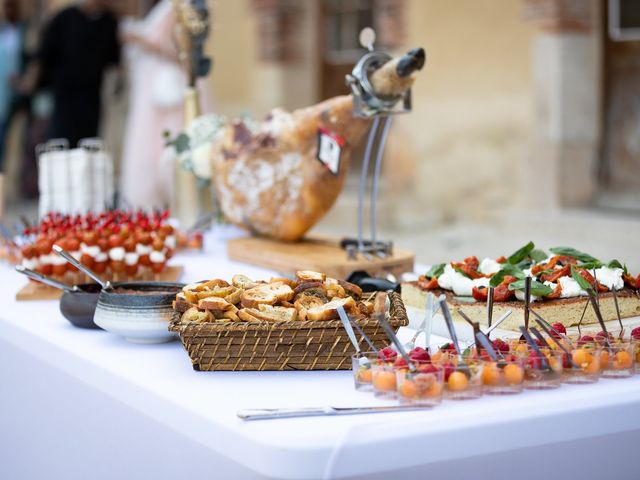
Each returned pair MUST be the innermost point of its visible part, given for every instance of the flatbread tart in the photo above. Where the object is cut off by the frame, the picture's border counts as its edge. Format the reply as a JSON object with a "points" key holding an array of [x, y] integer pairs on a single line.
{"points": [[561, 281]]}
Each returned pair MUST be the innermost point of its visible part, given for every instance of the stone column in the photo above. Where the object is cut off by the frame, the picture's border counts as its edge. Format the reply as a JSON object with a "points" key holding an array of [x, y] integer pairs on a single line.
{"points": [[566, 60]]}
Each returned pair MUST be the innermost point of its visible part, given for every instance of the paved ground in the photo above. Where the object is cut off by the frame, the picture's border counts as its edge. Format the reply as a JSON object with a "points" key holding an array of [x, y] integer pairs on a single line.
{"points": [[605, 234]]}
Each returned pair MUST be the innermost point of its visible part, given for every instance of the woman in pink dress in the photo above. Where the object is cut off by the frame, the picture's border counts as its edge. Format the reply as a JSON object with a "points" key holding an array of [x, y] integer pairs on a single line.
{"points": [[155, 106]]}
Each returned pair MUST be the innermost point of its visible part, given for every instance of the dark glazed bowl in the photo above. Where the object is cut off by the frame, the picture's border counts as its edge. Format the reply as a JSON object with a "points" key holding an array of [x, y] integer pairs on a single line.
{"points": [[79, 307], [137, 316]]}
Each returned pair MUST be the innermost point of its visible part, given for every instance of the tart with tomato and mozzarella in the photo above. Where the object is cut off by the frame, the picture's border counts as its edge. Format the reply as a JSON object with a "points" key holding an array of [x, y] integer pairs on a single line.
{"points": [[559, 286]]}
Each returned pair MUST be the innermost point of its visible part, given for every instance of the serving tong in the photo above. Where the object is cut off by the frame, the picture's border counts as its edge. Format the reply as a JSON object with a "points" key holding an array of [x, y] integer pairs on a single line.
{"points": [[39, 277], [106, 285]]}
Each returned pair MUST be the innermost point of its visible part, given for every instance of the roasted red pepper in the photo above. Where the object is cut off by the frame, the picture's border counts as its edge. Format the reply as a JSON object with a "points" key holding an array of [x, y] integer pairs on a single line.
{"points": [[427, 284], [554, 276], [480, 294]]}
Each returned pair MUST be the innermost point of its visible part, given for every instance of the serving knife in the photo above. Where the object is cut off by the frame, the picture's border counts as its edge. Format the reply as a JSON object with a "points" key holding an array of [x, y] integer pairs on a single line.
{"points": [[328, 411]]}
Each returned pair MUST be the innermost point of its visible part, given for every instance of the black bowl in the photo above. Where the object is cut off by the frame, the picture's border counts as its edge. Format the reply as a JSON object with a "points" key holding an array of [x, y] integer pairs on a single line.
{"points": [[79, 307]]}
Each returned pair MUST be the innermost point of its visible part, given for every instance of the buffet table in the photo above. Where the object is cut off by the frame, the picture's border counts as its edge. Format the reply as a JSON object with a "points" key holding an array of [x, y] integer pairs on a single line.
{"points": [[80, 404]]}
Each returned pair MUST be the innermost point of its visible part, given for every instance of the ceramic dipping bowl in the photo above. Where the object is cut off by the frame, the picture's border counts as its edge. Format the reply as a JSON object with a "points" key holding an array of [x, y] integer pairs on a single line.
{"points": [[138, 311], [79, 307]]}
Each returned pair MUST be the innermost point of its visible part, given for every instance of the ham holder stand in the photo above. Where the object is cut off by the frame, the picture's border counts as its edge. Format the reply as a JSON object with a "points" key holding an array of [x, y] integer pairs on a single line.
{"points": [[340, 258]]}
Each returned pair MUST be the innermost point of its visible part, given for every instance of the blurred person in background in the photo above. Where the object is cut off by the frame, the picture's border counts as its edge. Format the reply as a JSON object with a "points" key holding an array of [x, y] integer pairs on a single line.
{"points": [[156, 89], [77, 47], [11, 64]]}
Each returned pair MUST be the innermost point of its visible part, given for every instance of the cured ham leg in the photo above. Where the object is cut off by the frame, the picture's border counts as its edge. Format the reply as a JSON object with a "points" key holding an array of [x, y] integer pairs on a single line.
{"points": [[274, 181]]}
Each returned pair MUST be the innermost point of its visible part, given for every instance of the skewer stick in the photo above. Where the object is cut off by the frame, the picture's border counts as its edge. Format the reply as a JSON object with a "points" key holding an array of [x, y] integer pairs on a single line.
{"points": [[527, 301], [490, 307]]}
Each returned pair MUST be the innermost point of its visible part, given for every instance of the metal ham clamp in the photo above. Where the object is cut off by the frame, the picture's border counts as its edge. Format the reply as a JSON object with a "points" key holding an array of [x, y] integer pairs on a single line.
{"points": [[374, 97]]}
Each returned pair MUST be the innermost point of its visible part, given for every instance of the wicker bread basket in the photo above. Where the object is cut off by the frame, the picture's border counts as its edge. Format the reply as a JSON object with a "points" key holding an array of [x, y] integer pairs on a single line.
{"points": [[306, 345]]}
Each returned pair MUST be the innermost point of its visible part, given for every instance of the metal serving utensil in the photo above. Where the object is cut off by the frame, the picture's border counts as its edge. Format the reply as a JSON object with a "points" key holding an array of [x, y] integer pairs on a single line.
{"points": [[388, 330], [273, 413], [69, 258], [474, 325], [539, 336], [430, 311], [486, 344], [504, 316], [363, 335], [344, 318], [534, 346], [462, 365], [46, 280], [548, 328]]}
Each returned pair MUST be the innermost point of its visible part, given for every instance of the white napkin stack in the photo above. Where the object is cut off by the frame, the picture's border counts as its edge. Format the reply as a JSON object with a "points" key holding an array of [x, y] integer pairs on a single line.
{"points": [[74, 181]]}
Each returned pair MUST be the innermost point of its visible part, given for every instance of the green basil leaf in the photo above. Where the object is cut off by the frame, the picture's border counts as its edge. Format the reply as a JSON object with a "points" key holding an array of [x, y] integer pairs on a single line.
{"points": [[573, 253], [538, 255], [590, 265], [616, 264], [461, 272], [521, 253], [435, 271], [537, 289], [580, 279], [507, 269]]}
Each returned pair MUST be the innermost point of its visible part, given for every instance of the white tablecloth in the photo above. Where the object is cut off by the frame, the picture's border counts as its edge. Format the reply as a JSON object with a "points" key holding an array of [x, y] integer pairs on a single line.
{"points": [[78, 404]]}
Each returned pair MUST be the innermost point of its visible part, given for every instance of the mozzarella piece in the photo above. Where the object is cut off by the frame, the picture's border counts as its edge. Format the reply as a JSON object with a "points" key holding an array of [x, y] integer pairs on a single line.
{"points": [[142, 249], [91, 250], [170, 242], [570, 288], [461, 285], [157, 257], [609, 277], [30, 263], [130, 258], [489, 266], [102, 257], [117, 254]]}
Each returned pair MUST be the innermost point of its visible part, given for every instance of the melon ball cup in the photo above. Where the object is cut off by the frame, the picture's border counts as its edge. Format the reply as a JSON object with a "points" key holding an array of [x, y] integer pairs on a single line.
{"points": [[542, 371], [423, 387], [361, 365], [463, 380], [617, 359], [504, 377], [584, 363], [383, 379]]}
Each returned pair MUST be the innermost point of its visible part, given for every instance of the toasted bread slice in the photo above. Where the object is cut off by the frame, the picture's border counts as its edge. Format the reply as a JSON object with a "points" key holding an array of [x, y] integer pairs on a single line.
{"points": [[352, 289], [215, 303], [195, 315], [242, 281], [275, 314], [235, 296], [216, 292], [180, 304], [328, 311], [245, 315], [292, 283], [309, 275], [268, 294]]}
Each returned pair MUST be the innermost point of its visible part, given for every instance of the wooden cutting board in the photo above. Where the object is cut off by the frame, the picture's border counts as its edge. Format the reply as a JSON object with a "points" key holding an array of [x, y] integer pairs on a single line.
{"points": [[322, 254], [38, 291]]}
